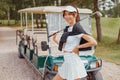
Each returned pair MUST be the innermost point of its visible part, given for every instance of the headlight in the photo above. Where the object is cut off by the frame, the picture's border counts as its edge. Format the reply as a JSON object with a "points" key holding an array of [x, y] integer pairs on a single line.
{"points": [[56, 65], [94, 64], [55, 68]]}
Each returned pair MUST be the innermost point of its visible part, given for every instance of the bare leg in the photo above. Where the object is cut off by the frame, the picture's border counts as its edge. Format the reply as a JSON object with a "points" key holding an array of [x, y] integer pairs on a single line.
{"points": [[57, 77], [78, 79]]}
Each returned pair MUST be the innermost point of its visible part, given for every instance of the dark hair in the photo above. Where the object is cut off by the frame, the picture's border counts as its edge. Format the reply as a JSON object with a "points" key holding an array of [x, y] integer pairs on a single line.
{"points": [[73, 13], [78, 15]]}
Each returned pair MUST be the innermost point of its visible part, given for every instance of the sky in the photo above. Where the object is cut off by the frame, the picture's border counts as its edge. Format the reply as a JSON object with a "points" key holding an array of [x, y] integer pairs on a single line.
{"points": [[107, 5]]}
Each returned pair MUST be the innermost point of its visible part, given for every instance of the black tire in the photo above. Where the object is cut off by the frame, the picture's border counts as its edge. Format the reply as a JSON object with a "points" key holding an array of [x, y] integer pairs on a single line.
{"points": [[98, 76], [94, 76], [20, 54], [84, 78], [90, 76], [48, 77]]}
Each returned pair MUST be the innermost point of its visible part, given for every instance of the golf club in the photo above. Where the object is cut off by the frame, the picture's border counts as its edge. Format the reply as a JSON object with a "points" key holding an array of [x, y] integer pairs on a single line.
{"points": [[97, 12]]}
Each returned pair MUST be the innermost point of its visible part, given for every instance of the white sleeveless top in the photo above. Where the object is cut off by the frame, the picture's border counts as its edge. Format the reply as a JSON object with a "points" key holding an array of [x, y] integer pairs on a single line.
{"points": [[72, 41]]}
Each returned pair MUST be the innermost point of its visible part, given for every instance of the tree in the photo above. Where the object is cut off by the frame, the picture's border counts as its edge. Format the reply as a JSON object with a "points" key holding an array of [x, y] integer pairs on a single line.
{"points": [[2, 10], [34, 3], [116, 11], [79, 3], [118, 40], [7, 5], [98, 26]]}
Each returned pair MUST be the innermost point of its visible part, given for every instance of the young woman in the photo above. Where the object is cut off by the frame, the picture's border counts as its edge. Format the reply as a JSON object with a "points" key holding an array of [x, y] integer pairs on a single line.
{"points": [[73, 68]]}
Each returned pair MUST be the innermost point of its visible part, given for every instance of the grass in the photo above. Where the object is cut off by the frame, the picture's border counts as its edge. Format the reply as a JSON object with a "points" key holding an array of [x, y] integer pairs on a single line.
{"points": [[108, 49], [5, 22]]}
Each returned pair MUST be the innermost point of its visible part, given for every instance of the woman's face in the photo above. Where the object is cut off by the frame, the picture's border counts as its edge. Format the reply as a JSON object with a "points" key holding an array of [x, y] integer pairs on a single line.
{"points": [[69, 17]]}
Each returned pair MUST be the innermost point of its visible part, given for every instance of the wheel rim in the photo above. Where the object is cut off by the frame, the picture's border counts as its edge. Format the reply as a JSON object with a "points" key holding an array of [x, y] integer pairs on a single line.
{"points": [[90, 76], [47, 78]]}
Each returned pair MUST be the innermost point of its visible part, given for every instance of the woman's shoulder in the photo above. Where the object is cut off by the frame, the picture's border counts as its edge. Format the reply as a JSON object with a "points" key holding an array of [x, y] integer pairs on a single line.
{"points": [[78, 28]]}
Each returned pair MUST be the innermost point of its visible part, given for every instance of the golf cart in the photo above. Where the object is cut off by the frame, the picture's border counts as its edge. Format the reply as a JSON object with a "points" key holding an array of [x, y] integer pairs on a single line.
{"points": [[40, 51]]}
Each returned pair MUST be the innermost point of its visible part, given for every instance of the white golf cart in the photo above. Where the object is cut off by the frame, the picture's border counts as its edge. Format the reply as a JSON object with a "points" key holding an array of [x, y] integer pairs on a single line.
{"points": [[40, 51]]}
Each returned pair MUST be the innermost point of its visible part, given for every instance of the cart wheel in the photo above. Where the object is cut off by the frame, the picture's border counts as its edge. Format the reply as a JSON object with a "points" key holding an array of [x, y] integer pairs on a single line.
{"points": [[48, 77], [19, 53], [94, 76], [84, 78], [91, 76], [98, 76]]}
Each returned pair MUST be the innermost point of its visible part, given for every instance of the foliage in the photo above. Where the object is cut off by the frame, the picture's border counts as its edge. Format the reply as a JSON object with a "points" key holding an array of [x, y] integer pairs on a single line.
{"points": [[116, 11], [79, 3]]}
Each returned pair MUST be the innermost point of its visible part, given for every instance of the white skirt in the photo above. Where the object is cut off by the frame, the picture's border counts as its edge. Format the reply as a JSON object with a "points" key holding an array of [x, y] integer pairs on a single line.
{"points": [[72, 68]]}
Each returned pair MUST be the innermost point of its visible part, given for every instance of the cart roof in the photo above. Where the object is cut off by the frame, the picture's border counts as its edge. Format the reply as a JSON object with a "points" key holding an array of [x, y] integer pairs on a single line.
{"points": [[50, 9]]}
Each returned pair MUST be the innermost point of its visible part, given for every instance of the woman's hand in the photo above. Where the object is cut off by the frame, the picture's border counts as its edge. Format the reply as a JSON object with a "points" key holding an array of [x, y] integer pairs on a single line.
{"points": [[76, 50], [54, 38]]}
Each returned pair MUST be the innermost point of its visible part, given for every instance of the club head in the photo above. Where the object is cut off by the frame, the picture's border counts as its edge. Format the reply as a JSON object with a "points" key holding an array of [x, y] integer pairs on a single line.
{"points": [[98, 13]]}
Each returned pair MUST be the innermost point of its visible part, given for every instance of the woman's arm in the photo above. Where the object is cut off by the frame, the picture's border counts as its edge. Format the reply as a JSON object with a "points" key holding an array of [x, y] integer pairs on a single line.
{"points": [[55, 40], [91, 41]]}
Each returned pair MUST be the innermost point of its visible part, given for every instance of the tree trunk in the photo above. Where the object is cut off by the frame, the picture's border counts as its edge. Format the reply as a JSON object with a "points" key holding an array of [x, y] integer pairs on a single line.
{"points": [[34, 3], [8, 16], [98, 26], [118, 36], [23, 21], [37, 23]]}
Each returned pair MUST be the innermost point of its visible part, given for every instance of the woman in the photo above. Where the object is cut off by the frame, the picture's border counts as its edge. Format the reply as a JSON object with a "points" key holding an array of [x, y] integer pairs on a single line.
{"points": [[73, 68]]}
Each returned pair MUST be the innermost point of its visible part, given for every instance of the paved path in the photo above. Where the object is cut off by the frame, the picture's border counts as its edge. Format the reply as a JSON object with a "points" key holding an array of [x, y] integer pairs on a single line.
{"points": [[11, 67]]}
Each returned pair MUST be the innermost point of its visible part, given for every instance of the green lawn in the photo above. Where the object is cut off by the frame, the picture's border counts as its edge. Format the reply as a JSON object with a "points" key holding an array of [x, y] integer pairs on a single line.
{"points": [[5, 22], [108, 49]]}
